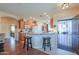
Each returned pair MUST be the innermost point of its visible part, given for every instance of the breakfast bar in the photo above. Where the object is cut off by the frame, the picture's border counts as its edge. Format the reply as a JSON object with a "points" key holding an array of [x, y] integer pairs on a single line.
{"points": [[37, 39]]}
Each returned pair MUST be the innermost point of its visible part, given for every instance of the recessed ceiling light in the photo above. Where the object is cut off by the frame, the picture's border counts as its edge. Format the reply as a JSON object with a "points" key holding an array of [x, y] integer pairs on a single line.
{"points": [[48, 17], [67, 6], [45, 13], [63, 7], [30, 17], [33, 18]]}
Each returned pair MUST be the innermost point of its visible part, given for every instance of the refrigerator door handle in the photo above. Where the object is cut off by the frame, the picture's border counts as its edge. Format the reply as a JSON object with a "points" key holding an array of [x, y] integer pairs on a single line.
{"points": [[64, 32]]}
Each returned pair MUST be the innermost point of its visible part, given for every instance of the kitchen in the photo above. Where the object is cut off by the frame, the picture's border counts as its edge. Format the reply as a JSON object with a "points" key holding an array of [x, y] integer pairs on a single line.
{"points": [[40, 23], [38, 29]]}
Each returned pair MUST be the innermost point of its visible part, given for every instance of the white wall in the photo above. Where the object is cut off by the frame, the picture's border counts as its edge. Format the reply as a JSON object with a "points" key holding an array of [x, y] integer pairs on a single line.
{"points": [[5, 23], [40, 23], [5, 29], [7, 14], [66, 13]]}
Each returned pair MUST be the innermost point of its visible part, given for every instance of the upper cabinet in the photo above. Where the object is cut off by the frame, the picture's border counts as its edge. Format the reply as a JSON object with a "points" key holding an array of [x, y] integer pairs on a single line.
{"points": [[21, 24], [51, 22], [24, 23]]}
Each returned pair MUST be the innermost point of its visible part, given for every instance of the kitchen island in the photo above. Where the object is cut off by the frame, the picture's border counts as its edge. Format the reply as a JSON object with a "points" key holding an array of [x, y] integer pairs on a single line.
{"points": [[37, 39]]}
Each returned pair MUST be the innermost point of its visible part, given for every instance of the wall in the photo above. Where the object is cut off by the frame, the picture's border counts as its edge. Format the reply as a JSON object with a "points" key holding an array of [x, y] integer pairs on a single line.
{"points": [[40, 23], [5, 20], [2, 13], [66, 14], [5, 23]]}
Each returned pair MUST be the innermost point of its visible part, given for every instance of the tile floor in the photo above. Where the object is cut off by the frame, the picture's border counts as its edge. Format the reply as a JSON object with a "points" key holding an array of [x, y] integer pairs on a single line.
{"points": [[56, 51]]}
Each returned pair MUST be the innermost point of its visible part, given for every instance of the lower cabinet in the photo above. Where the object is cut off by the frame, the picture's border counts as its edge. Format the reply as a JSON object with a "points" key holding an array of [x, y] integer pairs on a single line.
{"points": [[65, 42], [21, 38], [75, 43]]}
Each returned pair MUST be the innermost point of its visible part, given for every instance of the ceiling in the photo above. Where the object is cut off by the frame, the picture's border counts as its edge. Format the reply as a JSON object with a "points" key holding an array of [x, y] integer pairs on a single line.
{"points": [[29, 9]]}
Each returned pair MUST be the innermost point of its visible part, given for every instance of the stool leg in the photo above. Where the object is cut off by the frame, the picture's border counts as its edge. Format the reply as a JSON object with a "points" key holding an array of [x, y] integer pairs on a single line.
{"points": [[31, 43], [44, 47], [24, 45], [27, 46], [49, 44]]}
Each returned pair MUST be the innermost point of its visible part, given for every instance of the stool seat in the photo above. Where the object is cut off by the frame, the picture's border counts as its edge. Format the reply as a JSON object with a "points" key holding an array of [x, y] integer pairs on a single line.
{"points": [[28, 41], [46, 42]]}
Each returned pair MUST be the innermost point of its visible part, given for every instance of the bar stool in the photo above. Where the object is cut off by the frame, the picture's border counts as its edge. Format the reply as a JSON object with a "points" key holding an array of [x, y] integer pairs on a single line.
{"points": [[28, 42], [46, 43]]}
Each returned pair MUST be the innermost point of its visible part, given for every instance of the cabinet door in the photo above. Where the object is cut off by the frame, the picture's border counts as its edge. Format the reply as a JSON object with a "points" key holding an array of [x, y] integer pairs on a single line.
{"points": [[64, 37], [75, 27], [21, 24], [75, 35], [75, 42], [21, 36]]}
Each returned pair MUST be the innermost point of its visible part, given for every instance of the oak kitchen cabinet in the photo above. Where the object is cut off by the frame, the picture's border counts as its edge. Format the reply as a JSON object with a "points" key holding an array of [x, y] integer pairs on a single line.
{"points": [[21, 27], [21, 24]]}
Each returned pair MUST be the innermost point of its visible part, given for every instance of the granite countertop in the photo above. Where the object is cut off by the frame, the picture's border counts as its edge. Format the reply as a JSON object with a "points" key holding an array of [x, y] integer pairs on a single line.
{"points": [[40, 33]]}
